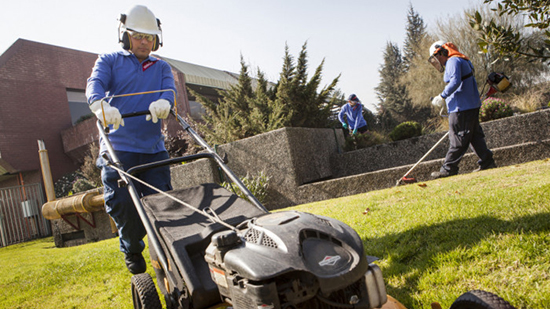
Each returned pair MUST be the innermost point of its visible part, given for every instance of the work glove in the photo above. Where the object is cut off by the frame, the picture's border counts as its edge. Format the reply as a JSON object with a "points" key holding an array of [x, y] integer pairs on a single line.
{"points": [[159, 109], [112, 114], [344, 125], [438, 101], [354, 132]]}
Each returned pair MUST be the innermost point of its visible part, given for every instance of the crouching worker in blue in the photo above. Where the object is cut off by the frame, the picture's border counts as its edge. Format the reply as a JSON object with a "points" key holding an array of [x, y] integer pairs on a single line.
{"points": [[353, 112], [462, 98], [136, 140]]}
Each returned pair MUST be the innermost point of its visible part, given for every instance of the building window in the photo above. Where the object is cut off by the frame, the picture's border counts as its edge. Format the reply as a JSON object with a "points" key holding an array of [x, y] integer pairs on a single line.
{"points": [[78, 105]]}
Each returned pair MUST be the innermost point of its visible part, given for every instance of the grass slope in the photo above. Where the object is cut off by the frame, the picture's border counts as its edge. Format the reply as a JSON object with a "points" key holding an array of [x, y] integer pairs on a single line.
{"points": [[435, 240], [439, 239]]}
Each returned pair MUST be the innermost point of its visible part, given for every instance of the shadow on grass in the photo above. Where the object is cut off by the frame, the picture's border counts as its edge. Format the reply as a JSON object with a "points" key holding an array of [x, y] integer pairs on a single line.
{"points": [[409, 254]]}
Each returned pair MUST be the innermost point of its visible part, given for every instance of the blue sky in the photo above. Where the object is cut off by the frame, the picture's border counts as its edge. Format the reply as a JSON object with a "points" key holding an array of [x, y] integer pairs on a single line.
{"points": [[349, 35]]}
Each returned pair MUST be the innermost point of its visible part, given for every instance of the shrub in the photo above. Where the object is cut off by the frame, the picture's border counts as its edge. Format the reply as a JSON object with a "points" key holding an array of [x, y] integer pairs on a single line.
{"points": [[64, 186], [529, 100], [257, 185], [367, 139], [494, 108], [86, 178], [406, 130], [89, 170], [179, 143], [82, 185]]}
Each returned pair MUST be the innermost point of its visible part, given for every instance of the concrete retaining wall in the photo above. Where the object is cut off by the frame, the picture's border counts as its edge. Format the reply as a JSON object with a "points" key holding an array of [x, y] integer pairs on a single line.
{"points": [[307, 165], [504, 132]]}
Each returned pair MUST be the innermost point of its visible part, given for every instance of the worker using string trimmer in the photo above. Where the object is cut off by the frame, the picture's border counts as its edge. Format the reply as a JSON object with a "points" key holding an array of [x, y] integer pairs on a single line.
{"points": [[463, 103]]}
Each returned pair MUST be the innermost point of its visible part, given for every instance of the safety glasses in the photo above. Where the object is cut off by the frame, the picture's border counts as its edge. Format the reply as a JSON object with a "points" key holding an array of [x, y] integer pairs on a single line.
{"points": [[141, 36]]}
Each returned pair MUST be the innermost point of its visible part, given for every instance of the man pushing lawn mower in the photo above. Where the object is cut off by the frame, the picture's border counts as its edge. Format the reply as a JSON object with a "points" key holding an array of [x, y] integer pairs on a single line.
{"points": [[139, 140], [463, 103]]}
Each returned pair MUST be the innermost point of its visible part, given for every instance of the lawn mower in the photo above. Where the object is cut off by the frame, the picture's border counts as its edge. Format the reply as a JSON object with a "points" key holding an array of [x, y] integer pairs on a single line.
{"points": [[212, 249]]}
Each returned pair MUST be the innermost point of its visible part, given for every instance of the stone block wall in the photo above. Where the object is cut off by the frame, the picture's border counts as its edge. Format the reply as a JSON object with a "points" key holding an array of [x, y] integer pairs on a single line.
{"points": [[514, 130], [300, 158]]}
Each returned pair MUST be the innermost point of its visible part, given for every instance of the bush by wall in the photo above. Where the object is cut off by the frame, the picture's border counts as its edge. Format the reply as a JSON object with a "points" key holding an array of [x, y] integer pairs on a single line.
{"points": [[494, 108], [257, 185], [364, 140], [406, 130]]}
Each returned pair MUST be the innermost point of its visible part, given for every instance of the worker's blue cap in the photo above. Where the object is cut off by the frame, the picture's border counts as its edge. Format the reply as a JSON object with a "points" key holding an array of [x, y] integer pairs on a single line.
{"points": [[353, 97]]}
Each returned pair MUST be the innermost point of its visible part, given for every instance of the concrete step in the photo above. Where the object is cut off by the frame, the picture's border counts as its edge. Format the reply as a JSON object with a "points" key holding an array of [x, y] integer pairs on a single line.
{"points": [[387, 178]]}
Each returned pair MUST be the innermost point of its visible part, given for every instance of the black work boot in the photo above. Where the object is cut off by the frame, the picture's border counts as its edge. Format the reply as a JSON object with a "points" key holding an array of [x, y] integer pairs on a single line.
{"points": [[135, 263], [442, 174], [483, 167]]}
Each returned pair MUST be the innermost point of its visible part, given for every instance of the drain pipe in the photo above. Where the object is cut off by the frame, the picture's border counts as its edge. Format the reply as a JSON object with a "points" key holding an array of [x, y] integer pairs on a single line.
{"points": [[46, 171], [87, 202]]}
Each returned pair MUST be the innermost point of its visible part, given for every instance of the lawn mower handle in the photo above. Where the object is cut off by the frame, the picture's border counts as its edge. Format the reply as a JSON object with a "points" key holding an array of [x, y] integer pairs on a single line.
{"points": [[135, 114], [128, 115]]}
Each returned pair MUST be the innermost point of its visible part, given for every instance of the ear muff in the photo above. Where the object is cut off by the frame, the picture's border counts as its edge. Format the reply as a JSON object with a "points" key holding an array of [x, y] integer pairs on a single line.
{"points": [[124, 37], [125, 41], [156, 44], [158, 41]]}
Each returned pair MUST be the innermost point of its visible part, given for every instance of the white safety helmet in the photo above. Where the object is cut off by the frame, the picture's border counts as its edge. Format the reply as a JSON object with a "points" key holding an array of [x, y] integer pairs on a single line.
{"points": [[140, 19], [435, 46]]}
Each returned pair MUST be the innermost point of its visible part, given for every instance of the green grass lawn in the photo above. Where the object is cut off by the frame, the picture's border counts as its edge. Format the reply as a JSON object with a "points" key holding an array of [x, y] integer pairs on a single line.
{"points": [[435, 240]]}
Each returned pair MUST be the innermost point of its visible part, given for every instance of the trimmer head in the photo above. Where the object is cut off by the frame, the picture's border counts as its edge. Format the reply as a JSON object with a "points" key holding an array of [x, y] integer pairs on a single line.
{"points": [[405, 180]]}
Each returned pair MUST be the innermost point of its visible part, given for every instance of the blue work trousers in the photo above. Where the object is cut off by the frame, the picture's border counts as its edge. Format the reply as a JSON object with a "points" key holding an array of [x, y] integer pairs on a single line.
{"points": [[118, 203]]}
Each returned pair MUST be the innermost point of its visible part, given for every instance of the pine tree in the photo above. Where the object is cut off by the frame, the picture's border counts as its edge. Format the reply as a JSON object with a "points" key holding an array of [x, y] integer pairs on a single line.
{"points": [[391, 93], [416, 32], [413, 55], [294, 101], [242, 111], [308, 107]]}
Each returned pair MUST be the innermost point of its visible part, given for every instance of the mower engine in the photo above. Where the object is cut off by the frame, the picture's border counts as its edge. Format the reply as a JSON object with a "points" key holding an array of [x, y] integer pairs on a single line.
{"points": [[294, 260]]}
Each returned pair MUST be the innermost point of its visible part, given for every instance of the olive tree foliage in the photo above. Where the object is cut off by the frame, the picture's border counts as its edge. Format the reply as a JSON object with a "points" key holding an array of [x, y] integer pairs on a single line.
{"points": [[509, 40], [255, 106]]}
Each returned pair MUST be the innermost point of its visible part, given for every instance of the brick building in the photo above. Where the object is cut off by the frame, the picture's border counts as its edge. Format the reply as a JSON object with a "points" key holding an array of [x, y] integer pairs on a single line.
{"points": [[42, 98]]}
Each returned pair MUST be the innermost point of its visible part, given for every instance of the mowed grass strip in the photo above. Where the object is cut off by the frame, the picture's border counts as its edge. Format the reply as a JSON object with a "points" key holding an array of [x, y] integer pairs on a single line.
{"points": [[435, 240]]}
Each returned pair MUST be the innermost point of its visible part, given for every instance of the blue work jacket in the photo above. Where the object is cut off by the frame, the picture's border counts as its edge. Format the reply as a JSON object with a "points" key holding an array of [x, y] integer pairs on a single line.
{"points": [[120, 73], [460, 94]]}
